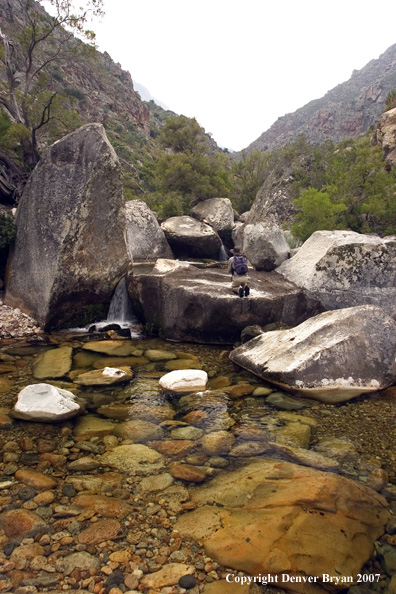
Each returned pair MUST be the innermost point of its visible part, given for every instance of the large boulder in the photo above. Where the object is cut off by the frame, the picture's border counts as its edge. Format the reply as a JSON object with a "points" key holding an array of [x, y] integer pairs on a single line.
{"points": [[344, 269], [332, 357], [218, 213], [185, 303], [70, 248], [385, 135], [265, 246], [190, 238], [278, 519], [274, 200], [146, 239]]}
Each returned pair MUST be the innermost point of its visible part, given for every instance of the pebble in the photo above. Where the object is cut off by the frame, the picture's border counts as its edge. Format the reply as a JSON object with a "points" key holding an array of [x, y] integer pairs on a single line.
{"points": [[187, 472]]}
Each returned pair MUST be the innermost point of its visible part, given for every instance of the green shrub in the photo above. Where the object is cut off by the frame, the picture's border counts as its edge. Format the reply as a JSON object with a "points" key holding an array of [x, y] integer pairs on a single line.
{"points": [[7, 230]]}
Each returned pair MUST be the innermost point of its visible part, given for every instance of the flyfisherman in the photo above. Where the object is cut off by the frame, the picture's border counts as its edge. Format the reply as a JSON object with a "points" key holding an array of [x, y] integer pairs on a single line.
{"points": [[237, 266]]}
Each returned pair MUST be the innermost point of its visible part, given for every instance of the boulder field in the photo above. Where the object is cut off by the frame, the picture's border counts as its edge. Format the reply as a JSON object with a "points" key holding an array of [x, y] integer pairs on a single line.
{"points": [[184, 303]]}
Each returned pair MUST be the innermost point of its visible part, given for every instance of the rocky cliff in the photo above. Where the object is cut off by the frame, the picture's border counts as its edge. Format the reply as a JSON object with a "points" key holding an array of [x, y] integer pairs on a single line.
{"points": [[347, 110], [101, 88]]}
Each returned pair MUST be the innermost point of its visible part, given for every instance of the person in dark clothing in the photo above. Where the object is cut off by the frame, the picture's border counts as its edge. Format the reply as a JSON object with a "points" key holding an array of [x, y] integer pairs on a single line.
{"points": [[237, 266]]}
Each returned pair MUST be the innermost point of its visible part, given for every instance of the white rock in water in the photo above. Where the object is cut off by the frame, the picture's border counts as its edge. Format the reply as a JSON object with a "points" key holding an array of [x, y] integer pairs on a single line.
{"points": [[112, 372], [45, 403], [184, 381]]}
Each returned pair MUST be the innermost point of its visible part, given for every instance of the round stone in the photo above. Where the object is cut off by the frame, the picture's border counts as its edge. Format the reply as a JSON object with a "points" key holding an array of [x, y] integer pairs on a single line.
{"points": [[187, 582]]}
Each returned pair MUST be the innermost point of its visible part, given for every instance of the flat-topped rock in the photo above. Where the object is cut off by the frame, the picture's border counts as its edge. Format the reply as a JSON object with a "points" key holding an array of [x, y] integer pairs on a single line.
{"points": [[113, 348], [198, 305], [104, 377], [53, 363]]}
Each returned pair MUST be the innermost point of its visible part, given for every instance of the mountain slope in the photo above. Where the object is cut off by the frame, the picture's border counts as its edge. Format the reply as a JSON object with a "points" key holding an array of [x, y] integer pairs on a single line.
{"points": [[347, 110]]}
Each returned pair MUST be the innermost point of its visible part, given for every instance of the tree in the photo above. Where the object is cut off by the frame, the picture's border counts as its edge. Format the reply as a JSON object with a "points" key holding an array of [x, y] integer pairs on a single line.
{"points": [[184, 135], [316, 211], [249, 174], [28, 96], [188, 171], [390, 102], [354, 191]]}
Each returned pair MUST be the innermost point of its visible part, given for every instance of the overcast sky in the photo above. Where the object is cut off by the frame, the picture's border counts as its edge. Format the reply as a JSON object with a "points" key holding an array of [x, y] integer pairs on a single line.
{"points": [[239, 65]]}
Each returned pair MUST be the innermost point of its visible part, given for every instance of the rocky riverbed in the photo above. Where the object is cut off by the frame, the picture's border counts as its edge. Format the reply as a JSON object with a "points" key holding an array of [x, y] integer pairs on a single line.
{"points": [[93, 504]]}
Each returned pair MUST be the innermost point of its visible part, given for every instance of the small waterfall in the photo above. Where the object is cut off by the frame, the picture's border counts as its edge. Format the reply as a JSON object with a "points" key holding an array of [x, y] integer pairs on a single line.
{"points": [[121, 314], [121, 309], [222, 257]]}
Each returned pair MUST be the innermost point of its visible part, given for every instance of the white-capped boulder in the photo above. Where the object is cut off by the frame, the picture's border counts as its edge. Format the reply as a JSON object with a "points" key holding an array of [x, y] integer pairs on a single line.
{"points": [[184, 381], [331, 357], [344, 269], [45, 404]]}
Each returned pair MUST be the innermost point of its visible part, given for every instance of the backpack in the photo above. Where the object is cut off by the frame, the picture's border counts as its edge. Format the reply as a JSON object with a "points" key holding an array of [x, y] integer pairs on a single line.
{"points": [[240, 265]]}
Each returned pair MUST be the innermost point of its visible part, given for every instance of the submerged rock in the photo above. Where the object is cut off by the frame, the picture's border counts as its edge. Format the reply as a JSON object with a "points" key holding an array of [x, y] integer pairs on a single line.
{"points": [[91, 426], [104, 377], [53, 363], [113, 348], [138, 431], [345, 269], [21, 523], [45, 404], [265, 514], [70, 249], [319, 358], [134, 458]]}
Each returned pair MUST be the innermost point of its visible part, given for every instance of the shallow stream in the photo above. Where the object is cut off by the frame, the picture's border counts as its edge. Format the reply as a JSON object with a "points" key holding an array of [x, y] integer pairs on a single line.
{"points": [[246, 418]]}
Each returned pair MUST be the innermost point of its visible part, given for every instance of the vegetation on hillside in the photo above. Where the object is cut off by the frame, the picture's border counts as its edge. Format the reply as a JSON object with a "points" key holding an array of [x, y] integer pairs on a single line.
{"points": [[355, 190], [28, 97], [390, 102]]}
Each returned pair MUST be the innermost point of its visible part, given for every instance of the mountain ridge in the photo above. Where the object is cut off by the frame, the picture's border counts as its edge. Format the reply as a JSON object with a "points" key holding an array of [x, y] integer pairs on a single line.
{"points": [[349, 109]]}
